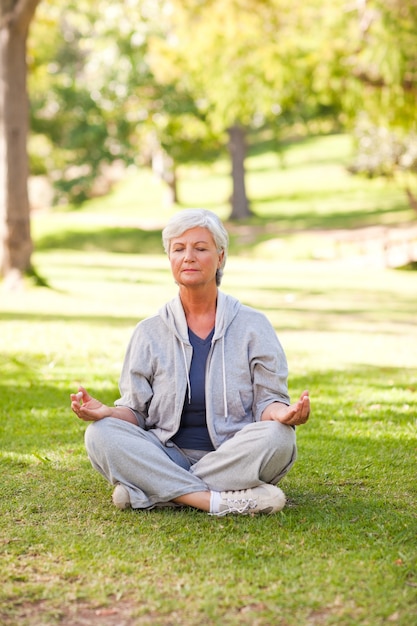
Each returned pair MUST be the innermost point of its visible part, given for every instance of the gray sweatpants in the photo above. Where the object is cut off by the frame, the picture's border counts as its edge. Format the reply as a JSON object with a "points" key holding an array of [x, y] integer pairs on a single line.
{"points": [[262, 452]]}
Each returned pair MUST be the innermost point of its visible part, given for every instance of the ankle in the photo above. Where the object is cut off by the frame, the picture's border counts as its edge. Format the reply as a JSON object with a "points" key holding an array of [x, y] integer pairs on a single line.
{"points": [[197, 499], [215, 500]]}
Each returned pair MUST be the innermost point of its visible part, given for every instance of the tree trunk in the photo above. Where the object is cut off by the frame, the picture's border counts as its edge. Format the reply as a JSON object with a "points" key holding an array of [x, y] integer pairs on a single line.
{"points": [[237, 151], [412, 198], [15, 237], [172, 182], [164, 167]]}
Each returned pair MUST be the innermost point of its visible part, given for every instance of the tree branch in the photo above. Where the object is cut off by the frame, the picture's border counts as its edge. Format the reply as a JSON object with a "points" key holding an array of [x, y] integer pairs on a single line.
{"points": [[20, 15], [408, 84]]}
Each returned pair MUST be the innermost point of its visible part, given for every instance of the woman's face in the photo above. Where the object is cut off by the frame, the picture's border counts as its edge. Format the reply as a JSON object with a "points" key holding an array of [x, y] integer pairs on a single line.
{"points": [[194, 257]]}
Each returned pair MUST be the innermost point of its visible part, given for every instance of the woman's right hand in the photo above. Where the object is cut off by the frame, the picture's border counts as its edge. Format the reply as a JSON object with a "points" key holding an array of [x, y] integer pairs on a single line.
{"points": [[87, 408]]}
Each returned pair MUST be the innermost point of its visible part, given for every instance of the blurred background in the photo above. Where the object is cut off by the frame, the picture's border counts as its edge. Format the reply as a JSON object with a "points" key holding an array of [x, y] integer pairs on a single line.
{"points": [[296, 120]]}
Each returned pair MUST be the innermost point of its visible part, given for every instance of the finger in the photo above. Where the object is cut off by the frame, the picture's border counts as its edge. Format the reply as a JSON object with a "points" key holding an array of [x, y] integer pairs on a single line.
{"points": [[76, 400], [305, 414], [75, 407], [84, 393]]}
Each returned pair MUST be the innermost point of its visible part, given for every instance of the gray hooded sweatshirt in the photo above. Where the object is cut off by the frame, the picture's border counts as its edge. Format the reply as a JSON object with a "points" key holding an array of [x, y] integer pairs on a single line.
{"points": [[246, 370]]}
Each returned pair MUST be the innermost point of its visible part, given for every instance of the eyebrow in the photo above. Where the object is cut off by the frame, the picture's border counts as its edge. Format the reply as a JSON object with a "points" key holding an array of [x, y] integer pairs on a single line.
{"points": [[195, 243]]}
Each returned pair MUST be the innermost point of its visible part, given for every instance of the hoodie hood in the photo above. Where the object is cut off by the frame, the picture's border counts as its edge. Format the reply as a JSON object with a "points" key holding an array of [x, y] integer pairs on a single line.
{"points": [[173, 316]]}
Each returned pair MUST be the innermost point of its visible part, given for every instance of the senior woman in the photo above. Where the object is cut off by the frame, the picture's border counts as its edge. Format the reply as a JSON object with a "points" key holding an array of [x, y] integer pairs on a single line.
{"points": [[204, 418]]}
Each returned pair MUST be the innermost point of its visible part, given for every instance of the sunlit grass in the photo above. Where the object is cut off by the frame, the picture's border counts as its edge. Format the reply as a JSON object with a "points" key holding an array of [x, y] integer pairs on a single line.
{"points": [[343, 551], [345, 546]]}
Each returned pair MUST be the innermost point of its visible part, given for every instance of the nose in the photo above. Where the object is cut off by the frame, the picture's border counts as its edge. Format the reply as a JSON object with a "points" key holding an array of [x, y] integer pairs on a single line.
{"points": [[188, 254]]}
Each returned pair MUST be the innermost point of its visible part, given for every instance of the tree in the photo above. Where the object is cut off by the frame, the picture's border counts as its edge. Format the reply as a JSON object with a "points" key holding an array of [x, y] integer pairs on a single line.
{"points": [[165, 83], [95, 100], [372, 64], [15, 237], [245, 62], [368, 56], [206, 51], [83, 112]]}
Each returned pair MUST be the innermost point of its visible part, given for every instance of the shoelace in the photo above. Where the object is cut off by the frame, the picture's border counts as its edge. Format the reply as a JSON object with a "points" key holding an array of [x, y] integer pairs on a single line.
{"points": [[237, 506]]}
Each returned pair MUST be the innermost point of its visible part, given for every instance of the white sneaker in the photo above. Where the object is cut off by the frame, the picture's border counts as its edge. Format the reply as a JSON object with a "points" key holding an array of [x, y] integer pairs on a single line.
{"points": [[264, 499], [121, 497]]}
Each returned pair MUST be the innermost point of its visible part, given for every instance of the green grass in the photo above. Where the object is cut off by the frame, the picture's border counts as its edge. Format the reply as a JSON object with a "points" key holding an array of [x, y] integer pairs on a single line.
{"points": [[343, 552]]}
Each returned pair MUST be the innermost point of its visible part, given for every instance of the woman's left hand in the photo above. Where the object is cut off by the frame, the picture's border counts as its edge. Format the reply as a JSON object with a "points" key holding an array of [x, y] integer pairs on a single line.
{"points": [[293, 415]]}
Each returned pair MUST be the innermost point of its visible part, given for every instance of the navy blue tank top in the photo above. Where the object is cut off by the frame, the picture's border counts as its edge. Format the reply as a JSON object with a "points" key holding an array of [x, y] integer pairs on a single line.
{"points": [[193, 432]]}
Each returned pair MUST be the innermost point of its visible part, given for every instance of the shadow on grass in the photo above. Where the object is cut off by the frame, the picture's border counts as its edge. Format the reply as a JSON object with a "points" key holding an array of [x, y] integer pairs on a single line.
{"points": [[410, 267], [109, 239], [36, 417], [261, 143], [347, 219], [340, 492], [35, 412], [343, 384], [97, 320], [139, 242], [131, 240]]}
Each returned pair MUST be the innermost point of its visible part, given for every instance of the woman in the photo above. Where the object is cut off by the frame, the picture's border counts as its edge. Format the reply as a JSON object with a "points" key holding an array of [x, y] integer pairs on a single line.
{"points": [[204, 417]]}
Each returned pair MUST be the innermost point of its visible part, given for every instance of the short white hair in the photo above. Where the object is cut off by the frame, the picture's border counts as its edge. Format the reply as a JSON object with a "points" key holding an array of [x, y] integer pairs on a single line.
{"points": [[192, 218]]}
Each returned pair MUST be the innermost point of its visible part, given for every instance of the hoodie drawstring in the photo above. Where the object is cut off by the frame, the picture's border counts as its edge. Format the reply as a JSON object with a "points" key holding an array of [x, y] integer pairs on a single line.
{"points": [[224, 380], [186, 369]]}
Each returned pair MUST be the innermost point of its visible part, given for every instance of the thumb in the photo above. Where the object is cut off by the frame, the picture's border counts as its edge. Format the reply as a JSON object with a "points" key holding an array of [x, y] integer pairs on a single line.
{"points": [[85, 395]]}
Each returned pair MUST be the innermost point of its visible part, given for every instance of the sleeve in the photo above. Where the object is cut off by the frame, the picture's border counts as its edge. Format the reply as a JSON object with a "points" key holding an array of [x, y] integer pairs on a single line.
{"points": [[269, 369], [135, 383]]}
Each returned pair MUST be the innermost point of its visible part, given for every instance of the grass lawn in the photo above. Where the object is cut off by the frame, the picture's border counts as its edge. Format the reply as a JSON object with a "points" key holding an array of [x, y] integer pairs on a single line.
{"points": [[344, 550]]}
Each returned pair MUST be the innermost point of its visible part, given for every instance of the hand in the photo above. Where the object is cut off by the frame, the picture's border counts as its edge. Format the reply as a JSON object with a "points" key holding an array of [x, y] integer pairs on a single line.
{"points": [[297, 413], [87, 408], [293, 415]]}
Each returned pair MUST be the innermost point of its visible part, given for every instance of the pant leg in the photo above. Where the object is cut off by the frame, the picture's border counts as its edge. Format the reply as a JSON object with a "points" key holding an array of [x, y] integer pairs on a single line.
{"points": [[127, 454], [262, 452]]}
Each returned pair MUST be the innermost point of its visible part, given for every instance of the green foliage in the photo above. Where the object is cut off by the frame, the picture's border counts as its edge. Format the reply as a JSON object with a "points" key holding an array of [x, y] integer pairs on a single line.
{"points": [[381, 152], [372, 62], [243, 61], [95, 98], [123, 81], [76, 101]]}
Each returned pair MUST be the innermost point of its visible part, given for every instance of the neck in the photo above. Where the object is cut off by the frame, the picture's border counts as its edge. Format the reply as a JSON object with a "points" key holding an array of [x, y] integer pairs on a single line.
{"points": [[199, 302], [200, 311]]}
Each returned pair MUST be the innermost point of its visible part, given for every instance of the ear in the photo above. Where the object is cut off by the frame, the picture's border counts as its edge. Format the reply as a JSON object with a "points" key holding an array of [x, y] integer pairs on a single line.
{"points": [[221, 257]]}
